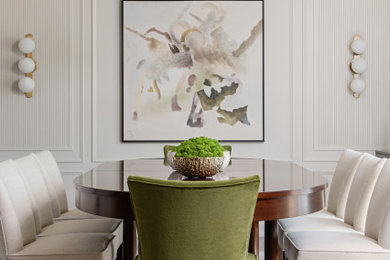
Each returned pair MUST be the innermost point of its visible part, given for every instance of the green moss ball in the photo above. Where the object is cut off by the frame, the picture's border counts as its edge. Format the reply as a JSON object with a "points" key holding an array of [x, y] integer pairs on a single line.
{"points": [[199, 147]]}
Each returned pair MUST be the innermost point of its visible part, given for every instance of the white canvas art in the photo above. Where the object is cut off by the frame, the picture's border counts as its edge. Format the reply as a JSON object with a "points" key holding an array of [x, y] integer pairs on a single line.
{"points": [[193, 68]]}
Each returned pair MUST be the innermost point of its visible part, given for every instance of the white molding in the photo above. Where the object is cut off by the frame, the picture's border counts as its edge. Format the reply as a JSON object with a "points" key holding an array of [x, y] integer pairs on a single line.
{"points": [[296, 70], [71, 76], [308, 67], [4, 150], [311, 132], [355, 147], [87, 81], [74, 151], [35, 148], [71, 173], [94, 82]]}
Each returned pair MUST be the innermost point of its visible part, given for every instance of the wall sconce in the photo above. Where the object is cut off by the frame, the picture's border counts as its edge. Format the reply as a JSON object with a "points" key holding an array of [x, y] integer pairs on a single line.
{"points": [[358, 65], [27, 65]]}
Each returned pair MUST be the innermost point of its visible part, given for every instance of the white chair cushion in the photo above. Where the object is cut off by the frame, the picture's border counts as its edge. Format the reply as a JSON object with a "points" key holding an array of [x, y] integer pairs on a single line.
{"points": [[321, 245], [55, 205], [55, 186], [312, 222], [15, 202], [104, 225], [378, 218], [3, 247], [11, 233], [77, 214], [68, 247], [361, 191], [82, 226], [384, 231], [342, 180], [322, 214], [50, 164], [40, 195]]}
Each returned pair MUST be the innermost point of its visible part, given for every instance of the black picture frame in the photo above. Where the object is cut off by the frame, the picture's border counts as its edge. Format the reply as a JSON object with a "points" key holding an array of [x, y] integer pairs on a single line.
{"points": [[124, 140]]}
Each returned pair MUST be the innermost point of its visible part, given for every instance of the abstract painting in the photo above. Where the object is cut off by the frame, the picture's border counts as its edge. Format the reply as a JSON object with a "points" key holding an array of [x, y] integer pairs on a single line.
{"points": [[193, 68]]}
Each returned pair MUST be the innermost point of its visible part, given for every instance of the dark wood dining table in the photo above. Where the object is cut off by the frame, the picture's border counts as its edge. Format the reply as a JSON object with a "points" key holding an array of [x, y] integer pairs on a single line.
{"points": [[286, 190]]}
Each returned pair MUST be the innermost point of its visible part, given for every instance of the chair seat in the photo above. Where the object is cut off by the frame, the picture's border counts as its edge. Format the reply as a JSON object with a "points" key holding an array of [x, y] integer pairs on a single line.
{"points": [[113, 226], [68, 247], [77, 214], [322, 214], [82, 226], [248, 257], [318, 245], [321, 221]]}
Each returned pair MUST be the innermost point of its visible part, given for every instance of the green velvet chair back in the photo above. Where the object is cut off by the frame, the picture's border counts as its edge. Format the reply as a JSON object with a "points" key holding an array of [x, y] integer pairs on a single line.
{"points": [[194, 220]]}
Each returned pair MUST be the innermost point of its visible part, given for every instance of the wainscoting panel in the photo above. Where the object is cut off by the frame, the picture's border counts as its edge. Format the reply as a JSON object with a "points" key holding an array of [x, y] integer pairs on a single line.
{"points": [[332, 118], [53, 117]]}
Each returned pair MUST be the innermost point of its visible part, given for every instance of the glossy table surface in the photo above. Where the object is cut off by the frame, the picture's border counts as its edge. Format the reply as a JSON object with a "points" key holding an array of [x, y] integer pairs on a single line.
{"points": [[276, 176], [286, 190]]}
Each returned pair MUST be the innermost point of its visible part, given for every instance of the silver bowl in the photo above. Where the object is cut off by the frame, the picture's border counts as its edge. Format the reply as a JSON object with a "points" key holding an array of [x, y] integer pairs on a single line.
{"points": [[198, 166]]}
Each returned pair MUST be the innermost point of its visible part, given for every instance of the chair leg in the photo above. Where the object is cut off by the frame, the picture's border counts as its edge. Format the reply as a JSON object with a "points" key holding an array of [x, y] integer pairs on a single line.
{"points": [[281, 254], [119, 253], [254, 239]]}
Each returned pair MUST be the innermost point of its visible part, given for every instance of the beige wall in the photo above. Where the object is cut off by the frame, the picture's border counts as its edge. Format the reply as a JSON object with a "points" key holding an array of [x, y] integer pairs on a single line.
{"points": [[310, 116]]}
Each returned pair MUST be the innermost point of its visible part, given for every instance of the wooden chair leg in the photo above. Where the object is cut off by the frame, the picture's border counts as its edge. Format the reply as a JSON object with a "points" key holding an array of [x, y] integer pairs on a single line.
{"points": [[254, 240], [281, 254]]}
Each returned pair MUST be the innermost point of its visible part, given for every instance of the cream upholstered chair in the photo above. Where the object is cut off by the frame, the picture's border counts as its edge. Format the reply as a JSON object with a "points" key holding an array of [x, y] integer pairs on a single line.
{"points": [[332, 217], [56, 189], [18, 239], [361, 191], [373, 245], [41, 205]]}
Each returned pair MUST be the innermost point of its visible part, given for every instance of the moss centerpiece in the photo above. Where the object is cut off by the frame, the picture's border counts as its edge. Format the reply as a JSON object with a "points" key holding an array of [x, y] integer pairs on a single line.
{"points": [[200, 156]]}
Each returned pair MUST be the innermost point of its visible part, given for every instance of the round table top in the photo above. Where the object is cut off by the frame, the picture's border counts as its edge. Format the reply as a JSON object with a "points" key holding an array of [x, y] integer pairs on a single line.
{"points": [[278, 178]]}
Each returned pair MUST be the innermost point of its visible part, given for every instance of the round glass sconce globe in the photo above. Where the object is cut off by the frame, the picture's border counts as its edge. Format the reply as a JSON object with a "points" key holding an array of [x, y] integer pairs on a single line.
{"points": [[359, 65], [358, 86], [26, 65], [26, 45], [359, 46], [26, 84]]}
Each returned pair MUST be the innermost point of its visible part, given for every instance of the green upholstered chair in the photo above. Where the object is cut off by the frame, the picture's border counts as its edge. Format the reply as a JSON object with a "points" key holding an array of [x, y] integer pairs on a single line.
{"points": [[167, 148], [194, 220]]}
